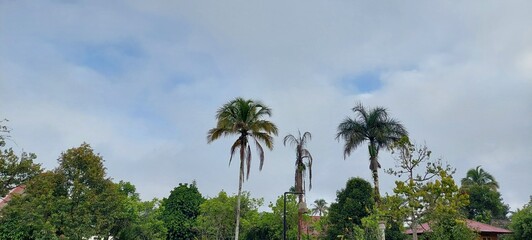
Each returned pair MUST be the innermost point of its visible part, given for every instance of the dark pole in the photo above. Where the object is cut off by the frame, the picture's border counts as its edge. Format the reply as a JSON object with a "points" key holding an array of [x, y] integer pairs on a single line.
{"points": [[284, 211]]}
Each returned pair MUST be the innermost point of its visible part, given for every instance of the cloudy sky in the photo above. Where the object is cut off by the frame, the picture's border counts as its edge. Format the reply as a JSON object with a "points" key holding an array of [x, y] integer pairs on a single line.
{"points": [[141, 81]]}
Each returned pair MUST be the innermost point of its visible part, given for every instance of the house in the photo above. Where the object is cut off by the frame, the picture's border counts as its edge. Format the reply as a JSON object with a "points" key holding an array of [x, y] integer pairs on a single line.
{"points": [[17, 190], [485, 231]]}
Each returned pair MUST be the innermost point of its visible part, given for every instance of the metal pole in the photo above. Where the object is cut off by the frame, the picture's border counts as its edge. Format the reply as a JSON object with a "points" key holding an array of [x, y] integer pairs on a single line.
{"points": [[284, 211], [284, 216]]}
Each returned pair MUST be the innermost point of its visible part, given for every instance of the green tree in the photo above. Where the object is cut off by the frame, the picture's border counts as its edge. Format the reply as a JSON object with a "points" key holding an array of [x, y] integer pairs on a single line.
{"points": [[89, 201], [353, 203], [415, 169], [143, 218], [320, 207], [76, 200], [217, 215], [444, 202], [521, 222], [14, 170], [39, 223], [478, 177], [180, 211], [485, 204], [302, 168], [244, 118], [375, 127]]}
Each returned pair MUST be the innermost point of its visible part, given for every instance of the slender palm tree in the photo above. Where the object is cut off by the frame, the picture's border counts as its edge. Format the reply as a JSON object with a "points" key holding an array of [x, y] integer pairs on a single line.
{"points": [[320, 207], [244, 118], [301, 169], [477, 176], [375, 127]]}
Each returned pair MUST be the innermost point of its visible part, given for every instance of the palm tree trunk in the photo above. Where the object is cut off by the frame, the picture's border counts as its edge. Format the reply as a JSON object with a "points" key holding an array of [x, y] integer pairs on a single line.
{"points": [[299, 189], [376, 183], [240, 182], [374, 166]]}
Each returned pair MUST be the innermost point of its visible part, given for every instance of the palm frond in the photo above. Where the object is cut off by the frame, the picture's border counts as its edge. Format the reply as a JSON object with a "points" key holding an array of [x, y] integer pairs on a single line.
{"points": [[248, 160], [260, 150]]}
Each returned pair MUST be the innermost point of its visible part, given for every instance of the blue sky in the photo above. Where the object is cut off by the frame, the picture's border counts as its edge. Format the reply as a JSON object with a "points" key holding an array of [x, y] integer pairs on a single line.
{"points": [[141, 81]]}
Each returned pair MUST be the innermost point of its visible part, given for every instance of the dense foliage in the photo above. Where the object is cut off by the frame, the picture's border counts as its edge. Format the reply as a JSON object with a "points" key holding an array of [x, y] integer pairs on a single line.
{"points": [[180, 211], [76, 200], [485, 204], [353, 203], [522, 222], [485, 201]]}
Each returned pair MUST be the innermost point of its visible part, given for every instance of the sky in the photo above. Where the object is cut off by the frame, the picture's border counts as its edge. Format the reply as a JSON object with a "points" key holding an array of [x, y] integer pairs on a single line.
{"points": [[140, 81]]}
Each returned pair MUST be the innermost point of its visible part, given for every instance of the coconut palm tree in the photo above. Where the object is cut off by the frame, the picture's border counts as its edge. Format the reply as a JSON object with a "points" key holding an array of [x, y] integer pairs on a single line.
{"points": [[245, 119], [320, 207], [477, 176], [375, 127], [302, 154]]}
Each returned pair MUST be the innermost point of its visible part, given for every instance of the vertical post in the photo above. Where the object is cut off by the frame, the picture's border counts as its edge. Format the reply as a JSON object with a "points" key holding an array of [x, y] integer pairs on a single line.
{"points": [[382, 229], [284, 211], [284, 216]]}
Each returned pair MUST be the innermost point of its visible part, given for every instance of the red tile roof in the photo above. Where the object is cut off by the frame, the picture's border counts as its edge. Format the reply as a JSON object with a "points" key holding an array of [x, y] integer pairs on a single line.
{"points": [[17, 190], [474, 225]]}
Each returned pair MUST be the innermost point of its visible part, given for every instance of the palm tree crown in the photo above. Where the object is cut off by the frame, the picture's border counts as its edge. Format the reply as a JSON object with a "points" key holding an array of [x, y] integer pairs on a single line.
{"points": [[302, 153], [477, 176], [373, 126], [244, 118], [320, 207]]}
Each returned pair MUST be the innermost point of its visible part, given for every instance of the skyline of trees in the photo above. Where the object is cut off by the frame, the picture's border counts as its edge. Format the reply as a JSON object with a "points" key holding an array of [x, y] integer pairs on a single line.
{"points": [[81, 176]]}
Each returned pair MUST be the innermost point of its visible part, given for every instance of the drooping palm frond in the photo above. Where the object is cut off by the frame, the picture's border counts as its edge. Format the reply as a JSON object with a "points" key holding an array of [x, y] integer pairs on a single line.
{"points": [[302, 153]]}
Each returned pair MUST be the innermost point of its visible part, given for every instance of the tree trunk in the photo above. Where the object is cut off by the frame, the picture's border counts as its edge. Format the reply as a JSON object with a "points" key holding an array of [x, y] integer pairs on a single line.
{"points": [[376, 183], [240, 182], [374, 167], [299, 189], [299, 218]]}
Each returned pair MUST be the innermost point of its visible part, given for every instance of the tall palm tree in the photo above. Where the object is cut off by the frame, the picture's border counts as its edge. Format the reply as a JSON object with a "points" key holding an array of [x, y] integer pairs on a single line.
{"points": [[244, 118], [477, 176], [375, 127], [320, 207], [301, 168]]}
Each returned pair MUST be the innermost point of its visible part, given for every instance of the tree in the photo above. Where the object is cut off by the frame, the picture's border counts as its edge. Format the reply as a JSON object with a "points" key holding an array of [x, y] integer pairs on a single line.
{"points": [[478, 177], [217, 216], [180, 211], [353, 203], [142, 219], [301, 168], [485, 204], [375, 127], [414, 165], [76, 200], [320, 207], [443, 202], [244, 118], [485, 201], [522, 222], [14, 170]]}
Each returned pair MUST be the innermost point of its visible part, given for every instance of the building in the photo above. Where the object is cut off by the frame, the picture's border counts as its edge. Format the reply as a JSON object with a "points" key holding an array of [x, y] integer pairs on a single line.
{"points": [[485, 231], [17, 190]]}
